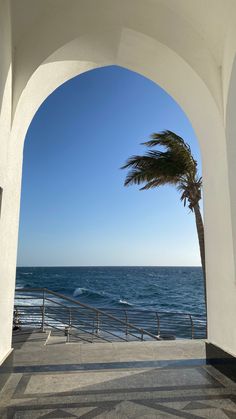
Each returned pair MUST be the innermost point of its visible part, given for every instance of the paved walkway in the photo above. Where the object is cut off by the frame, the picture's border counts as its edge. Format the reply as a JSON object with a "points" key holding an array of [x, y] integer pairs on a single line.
{"points": [[115, 380]]}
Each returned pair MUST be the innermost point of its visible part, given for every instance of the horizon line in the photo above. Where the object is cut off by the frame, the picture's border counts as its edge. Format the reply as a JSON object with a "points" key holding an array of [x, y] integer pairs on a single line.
{"points": [[109, 266]]}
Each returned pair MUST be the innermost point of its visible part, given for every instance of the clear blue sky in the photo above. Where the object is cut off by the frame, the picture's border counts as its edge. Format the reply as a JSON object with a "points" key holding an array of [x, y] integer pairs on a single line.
{"points": [[74, 208]]}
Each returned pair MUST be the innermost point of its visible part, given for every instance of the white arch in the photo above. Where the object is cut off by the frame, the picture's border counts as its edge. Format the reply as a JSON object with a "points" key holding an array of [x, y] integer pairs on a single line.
{"points": [[55, 42], [154, 60]]}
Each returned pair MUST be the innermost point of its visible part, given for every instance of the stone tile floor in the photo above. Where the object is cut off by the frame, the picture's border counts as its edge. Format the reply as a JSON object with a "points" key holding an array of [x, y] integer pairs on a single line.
{"points": [[119, 380]]}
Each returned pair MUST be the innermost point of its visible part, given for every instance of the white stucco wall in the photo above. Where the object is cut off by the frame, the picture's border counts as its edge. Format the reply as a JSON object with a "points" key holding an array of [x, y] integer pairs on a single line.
{"points": [[7, 246], [136, 35]]}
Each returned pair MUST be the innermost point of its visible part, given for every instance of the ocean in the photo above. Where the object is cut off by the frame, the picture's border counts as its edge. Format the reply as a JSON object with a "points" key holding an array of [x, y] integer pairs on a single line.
{"points": [[137, 294], [172, 289]]}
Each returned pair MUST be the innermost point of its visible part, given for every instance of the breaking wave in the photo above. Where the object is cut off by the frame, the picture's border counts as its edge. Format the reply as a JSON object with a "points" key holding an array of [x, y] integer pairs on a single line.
{"points": [[101, 295], [125, 303], [88, 292]]}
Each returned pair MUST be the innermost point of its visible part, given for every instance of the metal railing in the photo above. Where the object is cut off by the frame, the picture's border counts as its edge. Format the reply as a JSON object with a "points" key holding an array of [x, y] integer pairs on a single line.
{"points": [[165, 324], [43, 308]]}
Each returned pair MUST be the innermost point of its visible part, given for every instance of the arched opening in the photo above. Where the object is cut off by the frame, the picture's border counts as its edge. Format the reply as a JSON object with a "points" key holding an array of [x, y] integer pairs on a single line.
{"points": [[187, 48], [182, 91], [76, 212], [147, 53]]}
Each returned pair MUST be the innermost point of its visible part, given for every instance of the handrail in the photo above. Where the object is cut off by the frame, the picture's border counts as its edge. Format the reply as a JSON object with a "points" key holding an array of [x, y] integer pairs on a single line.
{"points": [[95, 310], [84, 324], [105, 323], [74, 327], [59, 330]]}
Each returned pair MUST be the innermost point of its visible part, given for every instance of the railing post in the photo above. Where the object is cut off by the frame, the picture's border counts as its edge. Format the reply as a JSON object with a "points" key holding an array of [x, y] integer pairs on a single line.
{"points": [[192, 326], [43, 313], [126, 320], [70, 318], [16, 320], [67, 328], [141, 334], [158, 324], [98, 324], [67, 334]]}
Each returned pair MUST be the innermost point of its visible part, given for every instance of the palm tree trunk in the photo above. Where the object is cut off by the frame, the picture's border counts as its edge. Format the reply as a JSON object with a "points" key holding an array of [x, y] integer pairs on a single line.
{"points": [[201, 240]]}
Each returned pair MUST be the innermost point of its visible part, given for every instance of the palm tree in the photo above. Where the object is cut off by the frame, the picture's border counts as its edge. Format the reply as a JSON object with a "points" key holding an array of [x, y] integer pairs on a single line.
{"points": [[172, 164]]}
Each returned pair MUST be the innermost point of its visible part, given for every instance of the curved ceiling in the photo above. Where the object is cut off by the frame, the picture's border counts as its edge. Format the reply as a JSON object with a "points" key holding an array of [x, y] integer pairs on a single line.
{"points": [[194, 30], [208, 18]]}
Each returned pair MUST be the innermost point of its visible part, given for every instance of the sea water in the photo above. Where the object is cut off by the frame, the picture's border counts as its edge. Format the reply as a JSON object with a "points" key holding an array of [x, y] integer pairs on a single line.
{"points": [[174, 289], [172, 292]]}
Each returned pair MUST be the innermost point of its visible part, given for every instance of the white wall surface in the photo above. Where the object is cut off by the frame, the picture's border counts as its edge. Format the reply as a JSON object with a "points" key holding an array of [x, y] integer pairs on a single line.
{"points": [[8, 230]]}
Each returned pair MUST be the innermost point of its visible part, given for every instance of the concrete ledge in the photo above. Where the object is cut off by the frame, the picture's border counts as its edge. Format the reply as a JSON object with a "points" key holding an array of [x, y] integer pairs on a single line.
{"points": [[221, 360], [6, 368]]}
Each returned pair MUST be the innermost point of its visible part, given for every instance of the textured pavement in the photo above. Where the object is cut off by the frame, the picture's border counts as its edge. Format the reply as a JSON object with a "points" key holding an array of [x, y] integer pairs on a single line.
{"points": [[118, 380]]}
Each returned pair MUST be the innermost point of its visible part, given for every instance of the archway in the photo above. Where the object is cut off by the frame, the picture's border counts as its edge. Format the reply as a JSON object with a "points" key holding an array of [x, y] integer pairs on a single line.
{"points": [[109, 111], [153, 52], [205, 120]]}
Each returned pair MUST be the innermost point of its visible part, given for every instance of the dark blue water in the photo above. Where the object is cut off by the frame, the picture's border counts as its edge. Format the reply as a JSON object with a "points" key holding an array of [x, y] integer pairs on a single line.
{"points": [[176, 289]]}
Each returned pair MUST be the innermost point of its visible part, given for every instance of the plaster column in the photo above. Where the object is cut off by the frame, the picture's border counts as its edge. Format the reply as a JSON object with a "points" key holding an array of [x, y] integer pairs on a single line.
{"points": [[8, 229]]}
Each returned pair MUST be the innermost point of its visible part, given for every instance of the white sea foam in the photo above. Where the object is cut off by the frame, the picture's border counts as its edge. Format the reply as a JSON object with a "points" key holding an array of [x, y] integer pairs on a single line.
{"points": [[89, 293], [126, 303], [79, 291], [28, 301]]}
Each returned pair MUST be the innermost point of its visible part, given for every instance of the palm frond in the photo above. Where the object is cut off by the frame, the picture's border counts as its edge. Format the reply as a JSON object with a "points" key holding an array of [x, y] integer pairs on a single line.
{"points": [[176, 144], [137, 177], [167, 139], [137, 161], [174, 165], [160, 182]]}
